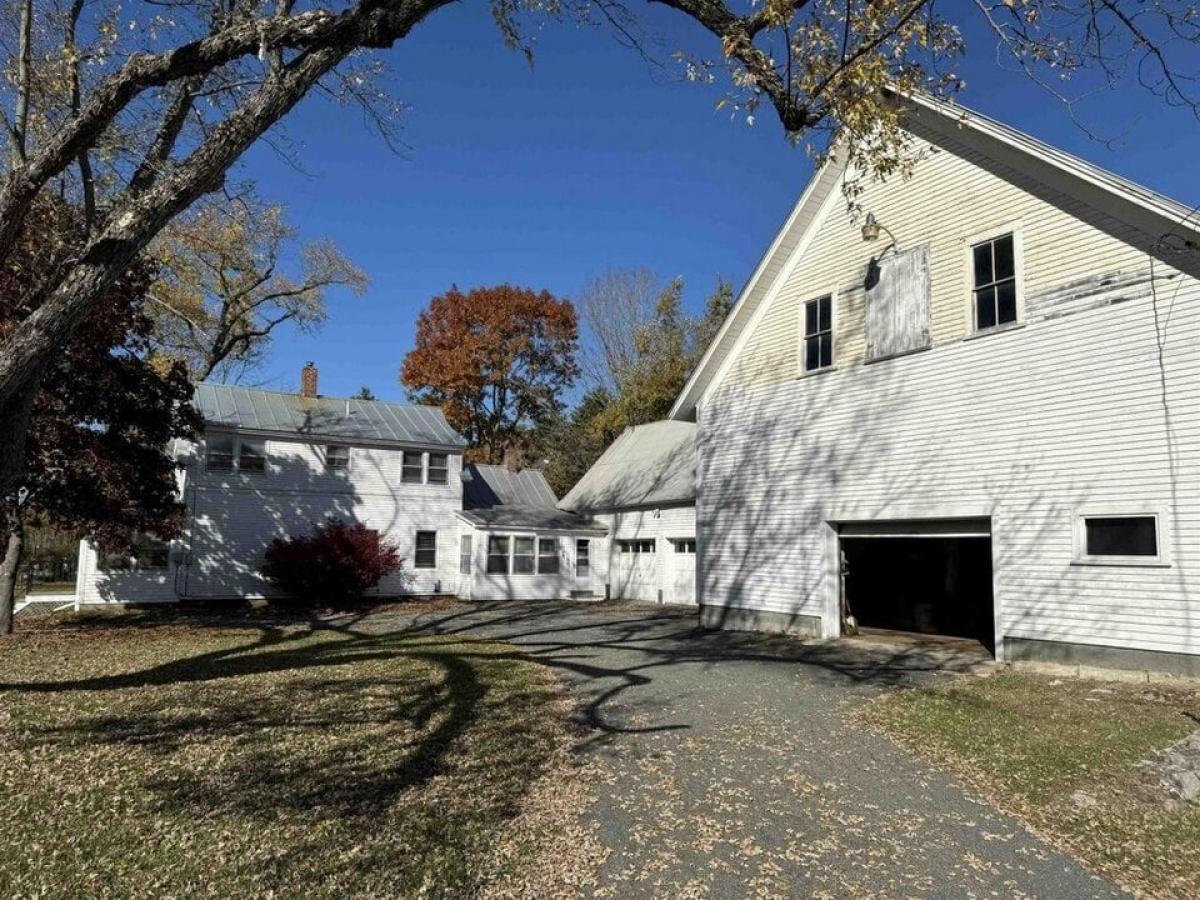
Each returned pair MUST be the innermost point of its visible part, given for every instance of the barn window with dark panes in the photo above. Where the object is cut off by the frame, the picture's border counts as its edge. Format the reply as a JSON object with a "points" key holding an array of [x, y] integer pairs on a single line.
{"points": [[583, 562], [426, 555], [995, 283], [818, 334], [1121, 536]]}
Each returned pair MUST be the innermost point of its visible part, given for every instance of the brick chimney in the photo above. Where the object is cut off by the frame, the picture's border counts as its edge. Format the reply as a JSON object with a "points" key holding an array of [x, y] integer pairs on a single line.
{"points": [[308, 380], [512, 459]]}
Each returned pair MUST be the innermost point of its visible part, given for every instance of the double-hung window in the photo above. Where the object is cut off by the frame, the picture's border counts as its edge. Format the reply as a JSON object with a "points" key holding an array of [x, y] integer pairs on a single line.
{"points": [[252, 455], [412, 467], [426, 553], [995, 282], [439, 468], [218, 452], [337, 458], [497, 554], [464, 554], [583, 561], [547, 562], [522, 563], [818, 333]]}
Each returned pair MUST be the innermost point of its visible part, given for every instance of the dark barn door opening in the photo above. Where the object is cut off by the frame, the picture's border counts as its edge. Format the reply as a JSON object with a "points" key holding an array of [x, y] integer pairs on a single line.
{"points": [[931, 584]]}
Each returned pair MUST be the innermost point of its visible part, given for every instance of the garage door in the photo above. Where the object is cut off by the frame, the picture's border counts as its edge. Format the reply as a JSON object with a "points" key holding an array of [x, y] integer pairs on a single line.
{"points": [[932, 577], [683, 571], [637, 570]]}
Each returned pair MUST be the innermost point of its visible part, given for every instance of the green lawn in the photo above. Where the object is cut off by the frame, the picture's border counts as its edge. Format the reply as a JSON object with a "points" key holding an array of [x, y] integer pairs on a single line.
{"points": [[143, 759], [1062, 755]]}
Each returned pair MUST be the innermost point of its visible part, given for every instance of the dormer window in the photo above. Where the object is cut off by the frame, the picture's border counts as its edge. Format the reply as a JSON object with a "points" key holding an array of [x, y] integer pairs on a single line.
{"points": [[995, 282], [337, 458]]}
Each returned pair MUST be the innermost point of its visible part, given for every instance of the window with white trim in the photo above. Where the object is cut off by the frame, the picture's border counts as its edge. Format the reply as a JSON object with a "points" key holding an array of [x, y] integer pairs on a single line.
{"points": [[252, 455], [145, 554], [684, 545], [425, 556], [464, 554], [439, 468], [583, 558], [818, 333], [636, 546], [547, 563], [1132, 538], [412, 467], [337, 458], [497, 554], [218, 452], [522, 562], [995, 282]]}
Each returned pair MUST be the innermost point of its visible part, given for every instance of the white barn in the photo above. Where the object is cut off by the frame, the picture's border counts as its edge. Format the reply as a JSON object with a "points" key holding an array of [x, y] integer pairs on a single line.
{"points": [[643, 490], [975, 411]]}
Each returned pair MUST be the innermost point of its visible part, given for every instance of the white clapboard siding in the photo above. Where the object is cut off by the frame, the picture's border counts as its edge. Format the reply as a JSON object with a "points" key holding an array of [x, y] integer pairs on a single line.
{"points": [[660, 525], [233, 516], [1097, 408], [952, 200]]}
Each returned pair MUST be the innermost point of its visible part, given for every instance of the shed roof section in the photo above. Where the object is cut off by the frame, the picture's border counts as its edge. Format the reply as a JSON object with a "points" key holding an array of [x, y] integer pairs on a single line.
{"points": [[369, 421], [496, 498], [487, 486], [648, 465]]}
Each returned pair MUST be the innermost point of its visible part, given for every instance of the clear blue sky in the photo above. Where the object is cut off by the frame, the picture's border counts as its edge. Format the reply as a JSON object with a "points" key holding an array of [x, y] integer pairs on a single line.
{"points": [[591, 160]]}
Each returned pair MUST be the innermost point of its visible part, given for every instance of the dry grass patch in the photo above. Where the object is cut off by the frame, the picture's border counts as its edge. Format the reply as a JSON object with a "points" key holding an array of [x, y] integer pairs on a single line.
{"points": [[251, 761], [1064, 756]]}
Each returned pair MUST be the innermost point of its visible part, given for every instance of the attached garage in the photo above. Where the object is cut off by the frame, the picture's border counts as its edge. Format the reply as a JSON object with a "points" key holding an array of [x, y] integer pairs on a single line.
{"points": [[926, 576]]}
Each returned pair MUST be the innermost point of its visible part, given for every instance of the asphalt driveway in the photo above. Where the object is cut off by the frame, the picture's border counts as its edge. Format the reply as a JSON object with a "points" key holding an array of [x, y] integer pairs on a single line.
{"points": [[731, 765]]}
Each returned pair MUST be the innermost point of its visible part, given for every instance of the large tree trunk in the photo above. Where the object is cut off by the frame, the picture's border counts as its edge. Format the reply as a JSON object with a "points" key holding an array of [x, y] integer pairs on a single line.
{"points": [[10, 568]]}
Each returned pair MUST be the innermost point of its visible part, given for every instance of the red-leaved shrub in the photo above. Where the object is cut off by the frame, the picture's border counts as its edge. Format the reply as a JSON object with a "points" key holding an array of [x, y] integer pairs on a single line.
{"points": [[333, 565]]}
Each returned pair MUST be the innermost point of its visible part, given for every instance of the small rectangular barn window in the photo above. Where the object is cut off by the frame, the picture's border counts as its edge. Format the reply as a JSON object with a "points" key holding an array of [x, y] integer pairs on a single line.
{"points": [[412, 467], [439, 468], [684, 545], [426, 555], [818, 333], [252, 456], [464, 554], [547, 562], [583, 558], [337, 458], [218, 453], [497, 556], [636, 546], [995, 282], [522, 556], [1121, 536]]}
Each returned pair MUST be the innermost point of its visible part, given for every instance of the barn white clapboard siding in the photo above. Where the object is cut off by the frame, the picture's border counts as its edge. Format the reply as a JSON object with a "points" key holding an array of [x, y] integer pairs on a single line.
{"points": [[1093, 401], [662, 525]]}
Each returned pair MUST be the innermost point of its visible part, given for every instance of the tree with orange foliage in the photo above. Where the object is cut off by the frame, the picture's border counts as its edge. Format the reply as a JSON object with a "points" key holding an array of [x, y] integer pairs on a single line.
{"points": [[497, 360]]}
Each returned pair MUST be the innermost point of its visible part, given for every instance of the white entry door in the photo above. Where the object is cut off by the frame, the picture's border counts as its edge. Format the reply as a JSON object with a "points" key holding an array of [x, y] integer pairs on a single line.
{"points": [[683, 571], [637, 570]]}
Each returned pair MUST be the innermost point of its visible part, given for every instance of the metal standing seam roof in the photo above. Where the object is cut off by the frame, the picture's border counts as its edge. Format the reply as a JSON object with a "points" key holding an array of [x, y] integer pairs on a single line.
{"points": [[648, 465], [494, 497], [372, 421]]}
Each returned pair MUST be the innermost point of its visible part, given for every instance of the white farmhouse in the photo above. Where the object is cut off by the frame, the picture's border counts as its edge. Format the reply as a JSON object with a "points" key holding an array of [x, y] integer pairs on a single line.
{"points": [[272, 464], [972, 408]]}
